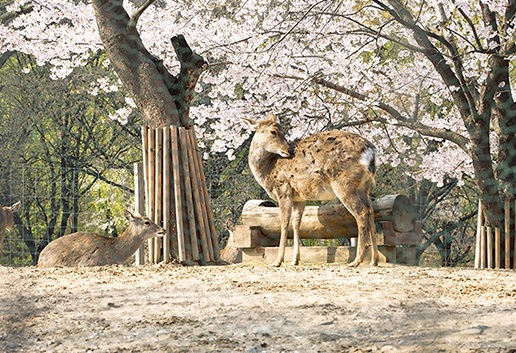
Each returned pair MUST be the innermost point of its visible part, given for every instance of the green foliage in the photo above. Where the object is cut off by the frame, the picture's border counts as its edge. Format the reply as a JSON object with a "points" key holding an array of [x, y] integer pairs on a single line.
{"points": [[67, 161]]}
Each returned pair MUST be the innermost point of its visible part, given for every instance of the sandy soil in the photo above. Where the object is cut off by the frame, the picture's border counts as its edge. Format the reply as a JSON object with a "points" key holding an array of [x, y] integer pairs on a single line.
{"points": [[243, 308]]}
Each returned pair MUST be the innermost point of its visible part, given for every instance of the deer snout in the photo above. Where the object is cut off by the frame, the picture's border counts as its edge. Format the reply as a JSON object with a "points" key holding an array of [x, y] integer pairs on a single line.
{"points": [[162, 232], [284, 153]]}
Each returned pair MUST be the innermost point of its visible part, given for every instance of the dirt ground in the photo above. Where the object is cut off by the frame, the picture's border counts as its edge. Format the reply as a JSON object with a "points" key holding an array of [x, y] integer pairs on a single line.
{"points": [[244, 308]]}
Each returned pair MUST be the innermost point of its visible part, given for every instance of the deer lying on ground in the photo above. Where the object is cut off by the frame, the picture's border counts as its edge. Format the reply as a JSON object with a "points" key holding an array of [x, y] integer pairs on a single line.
{"points": [[322, 166], [231, 253], [7, 221], [89, 249]]}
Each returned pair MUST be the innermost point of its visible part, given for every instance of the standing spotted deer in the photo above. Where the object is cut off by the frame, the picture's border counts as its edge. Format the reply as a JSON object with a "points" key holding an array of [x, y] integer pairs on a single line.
{"points": [[322, 166], [7, 221], [89, 249]]}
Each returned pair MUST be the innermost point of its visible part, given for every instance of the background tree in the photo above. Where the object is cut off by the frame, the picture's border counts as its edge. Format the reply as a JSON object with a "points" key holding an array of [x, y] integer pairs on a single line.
{"points": [[61, 144]]}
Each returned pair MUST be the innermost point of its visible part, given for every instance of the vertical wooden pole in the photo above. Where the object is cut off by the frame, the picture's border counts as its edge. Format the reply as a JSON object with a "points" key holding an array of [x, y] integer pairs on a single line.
{"points": [[507, 232], [166, 193], [139, 199], [213, 233], [514, 240], [483, 251], [177, 194], [188, 193], [489, 247], [158, 191], [151, 193], [478, 235], [497, 246], [198, 198]]}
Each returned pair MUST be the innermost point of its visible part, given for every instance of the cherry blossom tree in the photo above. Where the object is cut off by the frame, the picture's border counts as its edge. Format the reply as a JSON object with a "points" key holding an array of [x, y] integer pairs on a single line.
{"points": [[429, 82]]}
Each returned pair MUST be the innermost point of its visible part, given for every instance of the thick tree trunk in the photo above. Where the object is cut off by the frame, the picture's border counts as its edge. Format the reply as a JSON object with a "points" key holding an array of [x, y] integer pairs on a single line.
{"points": [[162, 98]]}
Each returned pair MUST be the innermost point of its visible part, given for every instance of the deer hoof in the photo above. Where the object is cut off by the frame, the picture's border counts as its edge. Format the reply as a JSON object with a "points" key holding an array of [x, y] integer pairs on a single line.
{"points": [[295, 262], [354, 264], [276, 264]]}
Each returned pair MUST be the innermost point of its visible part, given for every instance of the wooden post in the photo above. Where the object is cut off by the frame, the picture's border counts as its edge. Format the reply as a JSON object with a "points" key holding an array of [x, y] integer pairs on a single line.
{"points": [[188, 193], [514, 250], [158, 190], [149, 141], [478, 235], [489, 247], [213, 244], [166, 193], [483, 251], [177, 194], [507, 233], [139, 205], [198, 200], [497, 246]]}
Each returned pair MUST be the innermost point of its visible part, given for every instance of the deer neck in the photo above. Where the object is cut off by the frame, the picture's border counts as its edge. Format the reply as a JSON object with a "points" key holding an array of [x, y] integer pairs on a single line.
{"points": [[262, 163], [127, 242]]}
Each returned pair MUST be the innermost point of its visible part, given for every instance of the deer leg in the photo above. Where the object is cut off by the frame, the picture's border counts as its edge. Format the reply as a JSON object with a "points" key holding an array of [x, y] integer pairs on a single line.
{"points": [[357, 203], [297, 214], [285, 208]]}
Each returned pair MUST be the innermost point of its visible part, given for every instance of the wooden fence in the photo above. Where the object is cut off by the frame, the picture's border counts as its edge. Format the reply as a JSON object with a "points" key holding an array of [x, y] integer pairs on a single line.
{"points": [[175, 197], [494, 246]]}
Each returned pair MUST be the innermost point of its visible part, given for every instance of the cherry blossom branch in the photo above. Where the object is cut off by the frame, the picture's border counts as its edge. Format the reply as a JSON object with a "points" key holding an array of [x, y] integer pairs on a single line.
{"points": [[412, 124]]}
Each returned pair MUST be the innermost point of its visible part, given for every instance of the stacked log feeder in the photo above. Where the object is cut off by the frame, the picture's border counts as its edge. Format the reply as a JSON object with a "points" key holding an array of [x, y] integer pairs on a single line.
{"points": [[494, 247], [176, 198], [398, 231]]}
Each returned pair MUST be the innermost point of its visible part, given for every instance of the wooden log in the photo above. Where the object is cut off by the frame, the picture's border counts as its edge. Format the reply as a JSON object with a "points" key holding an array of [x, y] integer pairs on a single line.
{"points": [[483, 251], [330, 221]]}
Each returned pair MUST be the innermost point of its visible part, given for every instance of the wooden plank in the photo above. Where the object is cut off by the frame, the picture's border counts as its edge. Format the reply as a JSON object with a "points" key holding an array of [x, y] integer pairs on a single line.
{"points": [[177, 194], [166, 194], [245, 236], [187, 180], [316, 254], [391, 237]]}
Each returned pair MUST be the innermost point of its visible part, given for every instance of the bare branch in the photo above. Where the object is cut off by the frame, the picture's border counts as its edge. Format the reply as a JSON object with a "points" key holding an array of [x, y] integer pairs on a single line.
{"points": [[412, 124], [133, 21]]}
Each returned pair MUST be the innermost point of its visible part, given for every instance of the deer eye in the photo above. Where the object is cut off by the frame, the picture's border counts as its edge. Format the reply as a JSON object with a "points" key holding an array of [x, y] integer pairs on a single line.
{"points": [[274, 133], [147, 223]]}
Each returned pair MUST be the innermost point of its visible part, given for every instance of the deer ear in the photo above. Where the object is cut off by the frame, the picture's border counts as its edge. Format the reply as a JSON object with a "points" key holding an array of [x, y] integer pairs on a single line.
{"points": [[16, 206], [128, 215], [251, 123], [272, 117]]}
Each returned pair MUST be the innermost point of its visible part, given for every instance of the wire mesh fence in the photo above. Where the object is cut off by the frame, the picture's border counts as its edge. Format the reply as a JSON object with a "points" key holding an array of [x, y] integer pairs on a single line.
{"points": [[59, 201]]}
